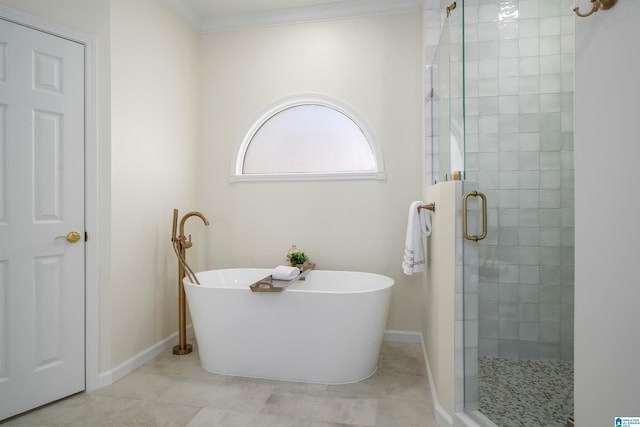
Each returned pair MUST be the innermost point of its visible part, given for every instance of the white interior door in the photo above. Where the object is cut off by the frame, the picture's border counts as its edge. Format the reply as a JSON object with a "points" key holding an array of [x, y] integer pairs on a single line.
{"points": [[42, 280]]}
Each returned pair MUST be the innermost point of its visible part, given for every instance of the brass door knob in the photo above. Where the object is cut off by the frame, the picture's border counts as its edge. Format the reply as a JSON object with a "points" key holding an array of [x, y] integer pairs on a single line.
{"points": [[72, 237]]}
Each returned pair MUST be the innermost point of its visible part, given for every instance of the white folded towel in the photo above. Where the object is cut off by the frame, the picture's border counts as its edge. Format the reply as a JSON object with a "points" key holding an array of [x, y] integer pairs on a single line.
{"points": [[283, 272], [419, 223]]}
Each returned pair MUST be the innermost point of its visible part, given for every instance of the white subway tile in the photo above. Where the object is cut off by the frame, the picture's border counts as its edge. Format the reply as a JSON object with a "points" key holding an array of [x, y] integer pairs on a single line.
{"points": [[551, 275], [550, 180], [529, 236], [509, 217], [488, 105], [508, 67], [550, 26], [550, 64], [508, 104], [489, 67], [549, 293], [488, 87], [549, 256], [508, 124], [550, 217], [528, 9], [488, 12], [550, 102], [549, 332], [529, 179], [550, 237], [508, 142], [529, 28], [529, 199], [508, 30], [529, 218], [529, 275], [508, 198], [508, 292], [488, 123], [551, 122], [551, 83], [529, 161], [488, 31], [529, 123], [529, 331], [529, 255], [509, 180], [529, 84], [529, 46], [550, 312], [529, 103], [488, 143], [506, 312], [529, 142], [549, 8], [509, 48]]}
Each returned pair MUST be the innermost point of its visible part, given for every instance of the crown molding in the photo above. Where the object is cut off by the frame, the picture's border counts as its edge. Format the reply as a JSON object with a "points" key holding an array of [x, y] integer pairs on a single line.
{"points": [[185, 11], [270, 18]]}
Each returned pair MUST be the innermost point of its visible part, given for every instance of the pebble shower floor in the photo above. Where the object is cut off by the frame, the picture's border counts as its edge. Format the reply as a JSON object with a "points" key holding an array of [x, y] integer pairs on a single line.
{"points": [[525, 393]]}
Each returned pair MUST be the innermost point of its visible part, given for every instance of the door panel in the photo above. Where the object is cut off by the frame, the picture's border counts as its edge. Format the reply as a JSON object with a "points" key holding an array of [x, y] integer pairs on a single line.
{"points": [[41, 199]]}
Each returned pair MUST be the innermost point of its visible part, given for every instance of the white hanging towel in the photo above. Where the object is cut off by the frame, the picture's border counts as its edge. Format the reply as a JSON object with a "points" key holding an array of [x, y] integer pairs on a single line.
{"points": [[419, 224]]}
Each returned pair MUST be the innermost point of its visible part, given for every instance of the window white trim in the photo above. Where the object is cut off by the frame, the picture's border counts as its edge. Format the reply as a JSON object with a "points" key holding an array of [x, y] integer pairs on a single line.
{"points": [[237, 162]]}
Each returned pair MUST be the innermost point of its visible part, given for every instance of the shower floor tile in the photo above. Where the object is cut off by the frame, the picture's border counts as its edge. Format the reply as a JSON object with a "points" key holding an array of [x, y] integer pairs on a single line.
{"points": [[526, 393]]}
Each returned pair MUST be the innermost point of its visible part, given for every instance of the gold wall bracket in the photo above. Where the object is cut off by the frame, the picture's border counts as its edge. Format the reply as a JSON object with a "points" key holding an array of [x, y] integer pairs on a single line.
{"points": [[596, 5], [429, 206], [451, 7]]}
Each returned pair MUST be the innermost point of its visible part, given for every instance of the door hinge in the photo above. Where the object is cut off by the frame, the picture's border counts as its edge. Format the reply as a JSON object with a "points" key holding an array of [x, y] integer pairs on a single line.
{"points": [[86, 236]]}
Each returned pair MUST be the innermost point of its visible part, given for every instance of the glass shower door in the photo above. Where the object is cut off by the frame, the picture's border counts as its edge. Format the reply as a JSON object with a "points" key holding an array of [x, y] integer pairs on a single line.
{"points": [[518, 282], [447, 96]]}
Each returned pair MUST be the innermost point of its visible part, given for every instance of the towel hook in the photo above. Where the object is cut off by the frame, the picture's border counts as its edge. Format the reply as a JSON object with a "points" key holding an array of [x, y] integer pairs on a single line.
{"points": [[597, 5]]}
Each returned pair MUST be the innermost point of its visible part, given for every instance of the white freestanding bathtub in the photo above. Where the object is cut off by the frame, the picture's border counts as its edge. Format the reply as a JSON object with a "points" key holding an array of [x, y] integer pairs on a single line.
{"points": [[326, 329]]}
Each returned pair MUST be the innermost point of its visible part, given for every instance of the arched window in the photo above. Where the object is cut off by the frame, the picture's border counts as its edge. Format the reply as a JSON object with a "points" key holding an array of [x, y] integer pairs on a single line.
{"points": [[307, 138]]}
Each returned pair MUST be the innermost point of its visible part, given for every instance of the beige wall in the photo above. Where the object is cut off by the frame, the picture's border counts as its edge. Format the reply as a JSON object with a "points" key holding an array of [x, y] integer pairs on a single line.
{"points": [[149, 137], [439, 320], [374, 65], [148, 127], [155, 124]]}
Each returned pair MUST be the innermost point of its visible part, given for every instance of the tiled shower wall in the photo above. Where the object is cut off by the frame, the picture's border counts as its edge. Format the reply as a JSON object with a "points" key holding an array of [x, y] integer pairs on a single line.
{"points": [[519, 57]]}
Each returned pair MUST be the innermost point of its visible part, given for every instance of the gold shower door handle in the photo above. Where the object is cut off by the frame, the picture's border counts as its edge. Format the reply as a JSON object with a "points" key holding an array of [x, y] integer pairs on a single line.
{"points": [[72, 237], [466, 235]]}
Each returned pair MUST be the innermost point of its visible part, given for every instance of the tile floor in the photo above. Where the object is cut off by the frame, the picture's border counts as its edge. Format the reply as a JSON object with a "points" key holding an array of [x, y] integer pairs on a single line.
{"points": [[175, 391], [526, 393]]}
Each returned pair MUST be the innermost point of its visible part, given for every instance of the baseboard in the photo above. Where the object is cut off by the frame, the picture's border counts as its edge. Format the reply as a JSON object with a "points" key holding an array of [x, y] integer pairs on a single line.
{"points": [[403, 336], [130, 365], [443, 418]]}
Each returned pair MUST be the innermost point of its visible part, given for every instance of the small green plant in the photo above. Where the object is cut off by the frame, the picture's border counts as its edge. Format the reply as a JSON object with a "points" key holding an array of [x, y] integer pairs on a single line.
{"points": [[297, 258]]}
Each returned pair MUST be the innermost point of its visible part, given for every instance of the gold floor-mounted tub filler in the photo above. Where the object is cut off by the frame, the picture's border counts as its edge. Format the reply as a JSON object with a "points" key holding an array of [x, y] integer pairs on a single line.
{"points": [[180, 246]]}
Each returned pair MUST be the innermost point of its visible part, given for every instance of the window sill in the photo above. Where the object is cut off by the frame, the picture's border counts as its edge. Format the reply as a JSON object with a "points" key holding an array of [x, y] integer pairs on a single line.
{"points": [[327, 176]]}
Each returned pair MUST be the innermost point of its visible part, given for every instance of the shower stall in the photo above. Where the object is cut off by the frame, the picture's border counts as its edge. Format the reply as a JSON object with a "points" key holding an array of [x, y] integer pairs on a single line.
{"points": [[499, 115]]}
